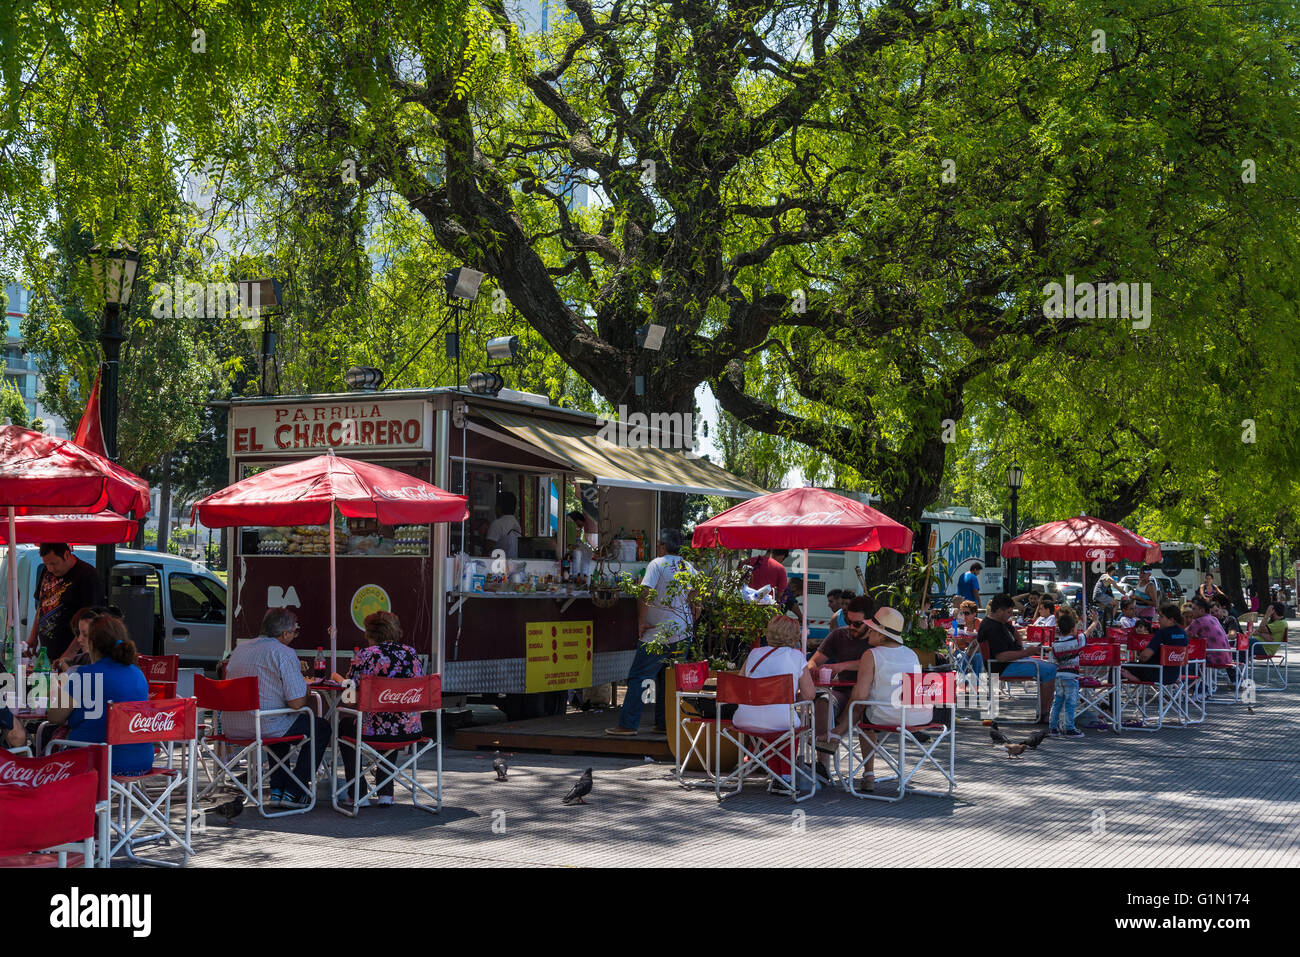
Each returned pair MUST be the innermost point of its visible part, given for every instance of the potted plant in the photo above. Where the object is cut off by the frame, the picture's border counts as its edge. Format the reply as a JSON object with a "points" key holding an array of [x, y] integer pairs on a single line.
{"points": [[726, 625], [907, 591]]}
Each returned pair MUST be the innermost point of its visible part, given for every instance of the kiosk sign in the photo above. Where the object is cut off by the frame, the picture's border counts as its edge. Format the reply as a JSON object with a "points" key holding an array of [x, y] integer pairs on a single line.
{"points": [[557, 655], [352, 424]]}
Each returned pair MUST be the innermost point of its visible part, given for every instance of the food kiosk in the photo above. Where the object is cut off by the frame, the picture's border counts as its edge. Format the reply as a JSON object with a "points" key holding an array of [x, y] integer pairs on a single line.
{"points": [[522, 606]]}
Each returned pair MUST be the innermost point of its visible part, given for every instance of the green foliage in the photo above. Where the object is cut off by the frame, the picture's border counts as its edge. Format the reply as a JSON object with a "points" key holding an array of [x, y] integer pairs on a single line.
{"points": [[12, 406], [727, 625]]}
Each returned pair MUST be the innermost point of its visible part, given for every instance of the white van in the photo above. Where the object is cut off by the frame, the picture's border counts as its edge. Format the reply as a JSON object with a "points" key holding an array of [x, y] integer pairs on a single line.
{"points": [[189, 601]]}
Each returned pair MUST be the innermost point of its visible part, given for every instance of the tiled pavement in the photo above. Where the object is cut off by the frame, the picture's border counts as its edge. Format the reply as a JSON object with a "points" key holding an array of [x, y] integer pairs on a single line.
{"points": [[1225, 793]]}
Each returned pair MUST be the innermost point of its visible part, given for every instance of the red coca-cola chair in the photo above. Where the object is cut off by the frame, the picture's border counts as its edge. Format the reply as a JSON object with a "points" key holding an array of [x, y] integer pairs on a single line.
{"points": [[757, 747], [918, 698], [221, 752], [39, 825], [1099, 684], [162, 673], [141, 812], [690, 679], [398, 696], [29, 772]]}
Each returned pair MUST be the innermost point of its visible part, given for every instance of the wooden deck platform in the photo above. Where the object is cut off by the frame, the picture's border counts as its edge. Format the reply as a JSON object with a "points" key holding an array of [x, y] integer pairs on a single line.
{"points": [[574, 733]]}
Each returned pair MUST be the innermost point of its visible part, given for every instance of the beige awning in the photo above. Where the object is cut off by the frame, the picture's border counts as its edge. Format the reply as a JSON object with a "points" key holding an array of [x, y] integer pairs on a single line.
{"points": [[623, 466]]}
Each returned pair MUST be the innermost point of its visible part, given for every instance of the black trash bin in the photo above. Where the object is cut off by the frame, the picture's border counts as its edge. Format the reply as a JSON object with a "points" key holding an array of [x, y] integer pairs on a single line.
{"points": [[132, 594]]}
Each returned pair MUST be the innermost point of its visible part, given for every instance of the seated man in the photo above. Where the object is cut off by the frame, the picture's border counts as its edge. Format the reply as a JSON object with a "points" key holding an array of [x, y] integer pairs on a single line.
{"points": [[12, 732], [1170, 632], [1222, 610], [1008, 656], [1270, 632], [842, 650], [280, 684], [1199, 622]]}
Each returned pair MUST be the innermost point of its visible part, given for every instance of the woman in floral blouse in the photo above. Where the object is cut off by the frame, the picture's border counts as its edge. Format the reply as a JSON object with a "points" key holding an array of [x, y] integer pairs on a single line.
{"points": [[385, 656]]}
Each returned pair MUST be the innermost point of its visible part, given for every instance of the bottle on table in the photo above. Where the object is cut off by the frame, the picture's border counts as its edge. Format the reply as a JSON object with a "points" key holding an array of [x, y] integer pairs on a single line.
{"points": [[320, 664]]}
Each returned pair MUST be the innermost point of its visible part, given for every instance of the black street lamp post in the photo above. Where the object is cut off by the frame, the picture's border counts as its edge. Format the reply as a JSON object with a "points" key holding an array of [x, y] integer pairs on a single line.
{"points": [[114, 271], [1015, 477]]}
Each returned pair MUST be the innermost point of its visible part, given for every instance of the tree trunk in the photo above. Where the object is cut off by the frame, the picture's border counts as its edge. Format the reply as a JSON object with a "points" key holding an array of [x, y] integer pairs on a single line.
{"points": [[165, 503], [1230, 572], [1258, 556]]}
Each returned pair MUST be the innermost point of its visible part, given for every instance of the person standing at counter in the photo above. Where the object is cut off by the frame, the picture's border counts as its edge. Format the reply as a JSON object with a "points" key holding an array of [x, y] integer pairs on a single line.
{"points": [[668, 621], [505, 531]]}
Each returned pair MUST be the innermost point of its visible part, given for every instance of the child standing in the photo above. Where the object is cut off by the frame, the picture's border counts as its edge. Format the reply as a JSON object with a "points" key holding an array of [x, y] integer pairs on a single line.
{"points": [[1066, 648]]}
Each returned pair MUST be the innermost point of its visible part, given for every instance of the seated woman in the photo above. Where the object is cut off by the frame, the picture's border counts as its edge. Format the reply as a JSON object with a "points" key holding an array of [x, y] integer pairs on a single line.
{"points": [[1046, 614], [965, 628], [880, 675], [385, 656], [780, 656], [78, 652], [1170, 632], [111, 676]]}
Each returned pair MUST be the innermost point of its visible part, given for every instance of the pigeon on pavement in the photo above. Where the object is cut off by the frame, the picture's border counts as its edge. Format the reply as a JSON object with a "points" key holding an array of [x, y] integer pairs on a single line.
{"points": [[1015, 750], [230, 810], [579, 790], [499, 766], [1035, 739], [997, 736]]}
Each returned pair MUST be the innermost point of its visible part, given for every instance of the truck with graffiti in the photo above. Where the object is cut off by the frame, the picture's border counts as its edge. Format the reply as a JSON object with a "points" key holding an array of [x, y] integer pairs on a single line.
{"points": [[954, 534]]}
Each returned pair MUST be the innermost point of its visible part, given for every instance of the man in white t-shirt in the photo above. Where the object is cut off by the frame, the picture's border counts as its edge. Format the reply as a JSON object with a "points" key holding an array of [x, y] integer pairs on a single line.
{"points": [[667, 621], [505, 531]]}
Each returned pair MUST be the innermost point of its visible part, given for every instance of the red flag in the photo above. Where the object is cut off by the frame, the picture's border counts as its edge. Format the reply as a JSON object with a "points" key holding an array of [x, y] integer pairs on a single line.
{"points": [[90, 431]]}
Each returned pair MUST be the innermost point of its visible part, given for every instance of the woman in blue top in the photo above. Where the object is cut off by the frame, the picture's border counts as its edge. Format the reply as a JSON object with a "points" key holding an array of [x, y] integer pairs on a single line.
{"points": [[111, 676]]}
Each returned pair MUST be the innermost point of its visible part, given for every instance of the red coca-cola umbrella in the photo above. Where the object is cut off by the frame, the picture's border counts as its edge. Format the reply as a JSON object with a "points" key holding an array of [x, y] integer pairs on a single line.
{"points": [[1082, 539], [100, 528], [803, 518], [44, 475], [307, 492]]}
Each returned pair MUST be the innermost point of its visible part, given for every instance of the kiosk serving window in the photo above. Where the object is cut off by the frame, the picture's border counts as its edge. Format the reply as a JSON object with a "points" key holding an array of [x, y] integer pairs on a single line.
{"points": [[352, 536]]}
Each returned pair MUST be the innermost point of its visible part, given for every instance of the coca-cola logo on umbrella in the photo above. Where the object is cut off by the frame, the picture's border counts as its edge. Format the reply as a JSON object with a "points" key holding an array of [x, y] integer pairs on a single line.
{"points": [[768, 517], [410, 493]]}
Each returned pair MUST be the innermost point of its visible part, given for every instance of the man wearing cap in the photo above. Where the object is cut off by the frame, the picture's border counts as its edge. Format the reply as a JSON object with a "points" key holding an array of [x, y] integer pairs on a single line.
{"points": [[668, 622]]}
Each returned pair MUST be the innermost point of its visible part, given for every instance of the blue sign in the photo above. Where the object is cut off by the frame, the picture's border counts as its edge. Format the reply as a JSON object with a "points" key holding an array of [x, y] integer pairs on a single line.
{"points": [[965, 546]]}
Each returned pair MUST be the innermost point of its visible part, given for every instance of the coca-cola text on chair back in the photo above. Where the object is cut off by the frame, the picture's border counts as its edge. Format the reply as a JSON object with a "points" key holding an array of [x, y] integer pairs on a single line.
{"points": [[34, 772], [937, 689], [233, 694], [1119, 635], [737, 689], [1040, 633], [57, 812], [399, 694], [692, 676], [145, 722], [1195, 649], [1173, 655], [1099, 656], [160, 669]]}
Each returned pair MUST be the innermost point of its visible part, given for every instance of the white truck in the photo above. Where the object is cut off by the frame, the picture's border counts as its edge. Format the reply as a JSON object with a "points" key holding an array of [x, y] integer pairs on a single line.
{"points": [[956, 535], [189, 601]]}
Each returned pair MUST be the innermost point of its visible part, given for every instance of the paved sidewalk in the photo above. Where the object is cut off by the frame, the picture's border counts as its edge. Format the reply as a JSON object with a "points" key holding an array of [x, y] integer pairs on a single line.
{"points": [[1225, 793]]}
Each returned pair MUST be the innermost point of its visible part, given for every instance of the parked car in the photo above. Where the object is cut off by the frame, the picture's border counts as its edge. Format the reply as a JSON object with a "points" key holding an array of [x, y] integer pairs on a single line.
{"points": [[189, 601]]}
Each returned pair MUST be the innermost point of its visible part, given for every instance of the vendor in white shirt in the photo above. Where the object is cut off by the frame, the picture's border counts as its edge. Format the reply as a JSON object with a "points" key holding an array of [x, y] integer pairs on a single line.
{"points": [[505, 531]]}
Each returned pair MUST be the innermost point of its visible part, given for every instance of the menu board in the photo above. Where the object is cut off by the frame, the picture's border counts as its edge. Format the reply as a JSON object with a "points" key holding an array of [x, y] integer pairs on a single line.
{"points": [[557, 655]]}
